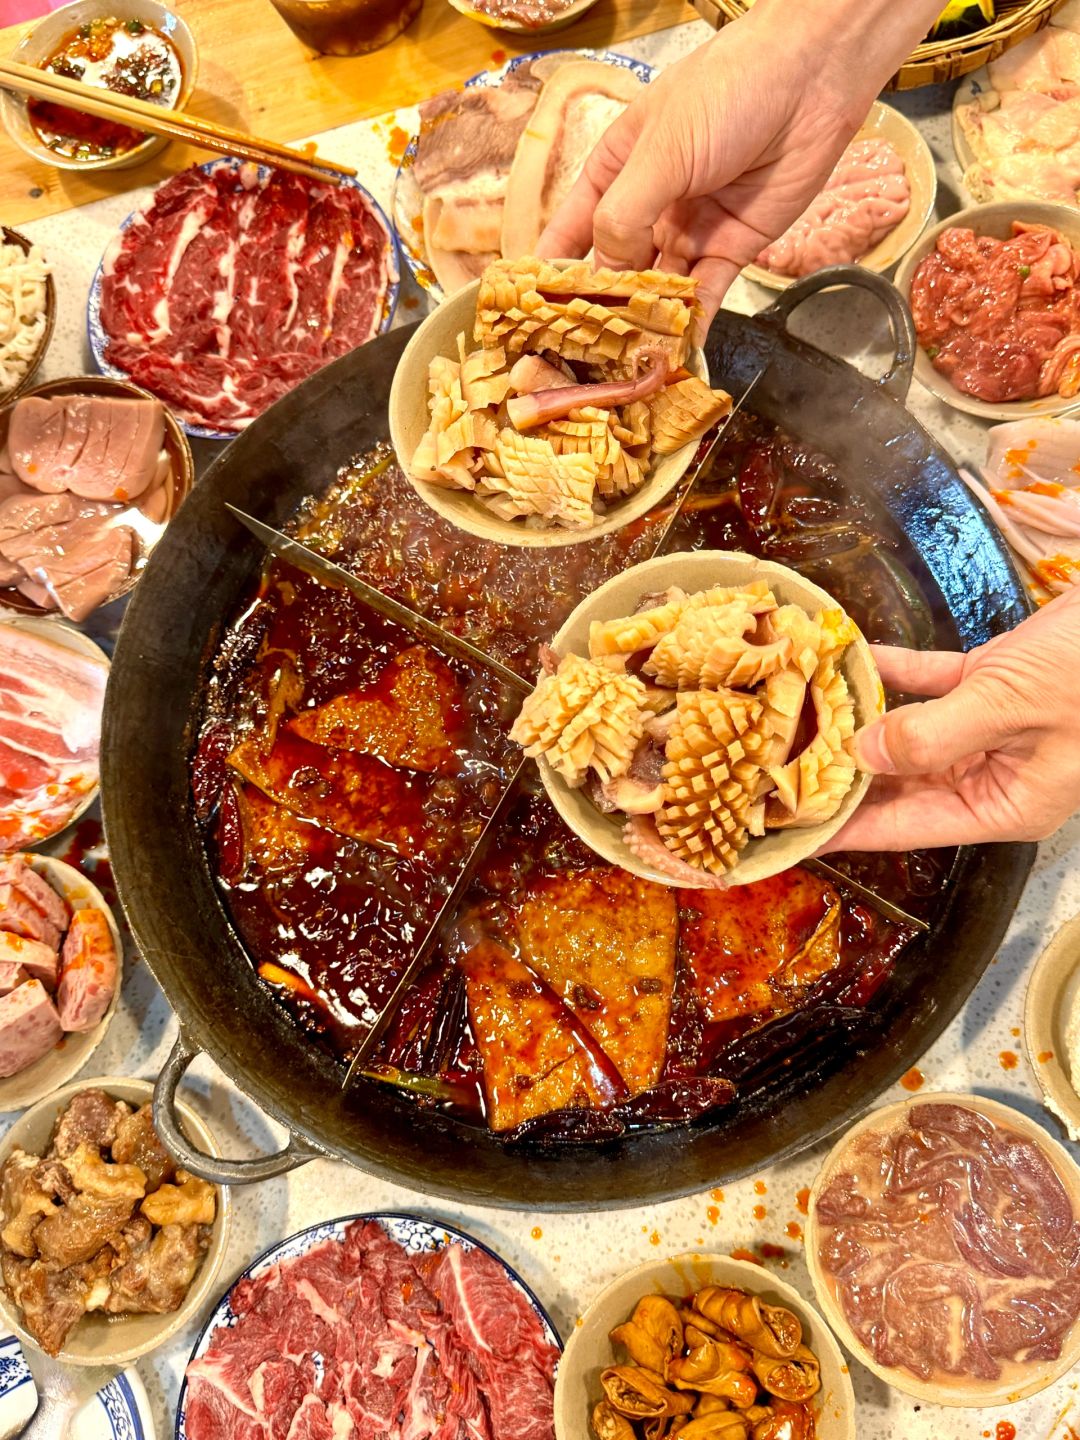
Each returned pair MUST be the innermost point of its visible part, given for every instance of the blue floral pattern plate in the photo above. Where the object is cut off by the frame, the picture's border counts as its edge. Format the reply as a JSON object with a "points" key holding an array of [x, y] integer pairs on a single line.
{"points": [[407, 203], [411, 1232], [18, 1393], [96, 331], [119, 1411]]}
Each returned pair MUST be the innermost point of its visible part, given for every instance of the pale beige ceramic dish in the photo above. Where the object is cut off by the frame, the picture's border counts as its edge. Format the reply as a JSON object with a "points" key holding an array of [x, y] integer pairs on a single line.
{"points": [[179, 482], [409, 416], [885, 123], [589, 1350], [693, 571], [518, 27], [16, 237], [74, 1050], [995, 220], [966, 1392], [118, 1339], [36, 47], [64, 634], [1053, 997]]}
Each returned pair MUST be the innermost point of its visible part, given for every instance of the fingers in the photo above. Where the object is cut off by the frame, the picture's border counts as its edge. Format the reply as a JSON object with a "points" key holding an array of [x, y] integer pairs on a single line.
{"points": [[634, 199], [927, 738], [569, 232], [714, 277], [911, 815], [919, 672]]}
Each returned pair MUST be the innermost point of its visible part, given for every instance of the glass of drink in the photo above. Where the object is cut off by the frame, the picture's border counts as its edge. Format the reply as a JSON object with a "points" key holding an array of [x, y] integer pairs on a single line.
{"points": [[346, 27]]}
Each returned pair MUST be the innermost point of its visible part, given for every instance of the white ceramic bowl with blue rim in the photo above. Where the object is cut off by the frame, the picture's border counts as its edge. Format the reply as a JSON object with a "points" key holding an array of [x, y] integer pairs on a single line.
{"points": [[413, 1233], [407, 203], [119, 1411], [18, 1393], [96, 331]]}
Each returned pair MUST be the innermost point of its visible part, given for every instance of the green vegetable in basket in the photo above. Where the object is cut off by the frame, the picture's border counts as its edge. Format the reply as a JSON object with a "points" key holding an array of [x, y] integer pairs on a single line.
{"points": [[962, 17]]}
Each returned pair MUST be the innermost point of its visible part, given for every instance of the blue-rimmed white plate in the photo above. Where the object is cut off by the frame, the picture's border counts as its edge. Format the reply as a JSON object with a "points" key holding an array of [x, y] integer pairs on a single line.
{"points": [[119, 1411], [413, 1233], [96, 331], [407, 203]]}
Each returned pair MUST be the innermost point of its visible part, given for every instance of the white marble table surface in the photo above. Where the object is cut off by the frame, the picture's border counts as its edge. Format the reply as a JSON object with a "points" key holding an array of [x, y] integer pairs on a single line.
{"points": [[567, 1258]]}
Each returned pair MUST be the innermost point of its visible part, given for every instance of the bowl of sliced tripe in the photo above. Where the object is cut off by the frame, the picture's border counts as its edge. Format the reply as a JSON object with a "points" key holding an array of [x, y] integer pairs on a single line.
{"points": [[550, 402]]}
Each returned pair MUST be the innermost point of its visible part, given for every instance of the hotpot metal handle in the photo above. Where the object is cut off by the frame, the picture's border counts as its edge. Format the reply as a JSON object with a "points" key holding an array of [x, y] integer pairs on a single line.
{"points": [[897, 379], [211, 1167]]}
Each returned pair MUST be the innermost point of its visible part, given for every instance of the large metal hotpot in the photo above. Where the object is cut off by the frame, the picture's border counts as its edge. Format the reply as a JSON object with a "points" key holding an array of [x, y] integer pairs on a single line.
{"points": [[172, 628]]}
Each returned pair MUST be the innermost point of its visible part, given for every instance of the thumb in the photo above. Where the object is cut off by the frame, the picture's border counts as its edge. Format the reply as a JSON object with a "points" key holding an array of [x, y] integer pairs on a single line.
{"points": [[929, 737]]}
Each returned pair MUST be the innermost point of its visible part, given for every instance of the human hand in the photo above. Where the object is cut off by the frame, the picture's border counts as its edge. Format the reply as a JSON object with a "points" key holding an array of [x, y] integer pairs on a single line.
{"points": [[994, 756], [727, 147]]}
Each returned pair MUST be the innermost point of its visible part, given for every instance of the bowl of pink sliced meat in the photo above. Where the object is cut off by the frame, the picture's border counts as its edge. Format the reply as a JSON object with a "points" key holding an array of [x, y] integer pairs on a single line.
{"points": [[60, 972], [52, 689], [91, 472], [374, 1325], [995, 296], [234, 283]]}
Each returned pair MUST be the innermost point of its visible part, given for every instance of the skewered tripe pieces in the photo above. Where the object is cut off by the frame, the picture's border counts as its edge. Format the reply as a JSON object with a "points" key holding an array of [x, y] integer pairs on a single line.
{"points": [[577, 389], [722, 1365], [708, 718]]}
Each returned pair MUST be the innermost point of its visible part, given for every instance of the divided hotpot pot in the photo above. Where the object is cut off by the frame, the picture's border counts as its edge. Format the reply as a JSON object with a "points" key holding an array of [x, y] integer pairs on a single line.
{"points": [[170, 633]]}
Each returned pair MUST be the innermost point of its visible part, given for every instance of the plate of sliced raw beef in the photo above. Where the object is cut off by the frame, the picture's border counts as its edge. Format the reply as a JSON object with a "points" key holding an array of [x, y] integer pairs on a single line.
{"points": [[374, 1327], [234, 283]]}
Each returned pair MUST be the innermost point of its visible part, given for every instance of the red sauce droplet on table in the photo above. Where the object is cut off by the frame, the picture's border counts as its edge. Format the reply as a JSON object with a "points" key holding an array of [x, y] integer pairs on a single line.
{"points": [[746, 1255], [772, 1252], [759, 1212], [717, 1195], [397, 143], [498, 57], [713, 1213], [760, 1188], [1045, 1056], [802, 1200], [914, 1079], [794, 1230], [654, 1238], [1006, 1430], [537, 1233], [1007, 1059]]}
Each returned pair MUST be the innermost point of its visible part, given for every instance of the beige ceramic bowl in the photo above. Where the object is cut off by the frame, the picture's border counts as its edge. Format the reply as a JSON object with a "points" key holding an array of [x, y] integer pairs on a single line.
{"points": [[28, 1086], [45, 38], [885, 123], [409, 417], [118, 1339], [181, 476], [64, 634], [995, 220], [693, 571], [589, 1350], [1053, 995], [517, 27], [967, 1393], [15, 237]]}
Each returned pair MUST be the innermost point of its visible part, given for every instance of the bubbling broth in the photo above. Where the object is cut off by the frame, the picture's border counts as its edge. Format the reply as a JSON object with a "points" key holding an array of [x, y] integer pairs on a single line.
{"points": [[345, 771]]}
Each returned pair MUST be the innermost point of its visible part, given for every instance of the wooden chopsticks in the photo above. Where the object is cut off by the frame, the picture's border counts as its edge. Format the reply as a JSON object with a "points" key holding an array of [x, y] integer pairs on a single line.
{"points": [[157, 120]]}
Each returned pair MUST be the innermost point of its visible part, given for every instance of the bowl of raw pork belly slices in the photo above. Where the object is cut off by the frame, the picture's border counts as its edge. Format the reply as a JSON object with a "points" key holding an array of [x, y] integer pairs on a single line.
{"points": [[995, 295], [107, 1293], [61, 968], [91, 472], [871, 210], [970, 1301]]}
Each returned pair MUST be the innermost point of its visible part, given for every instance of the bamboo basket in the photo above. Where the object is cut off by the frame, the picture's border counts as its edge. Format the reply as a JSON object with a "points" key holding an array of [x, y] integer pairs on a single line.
{"points": [[937, 61]]}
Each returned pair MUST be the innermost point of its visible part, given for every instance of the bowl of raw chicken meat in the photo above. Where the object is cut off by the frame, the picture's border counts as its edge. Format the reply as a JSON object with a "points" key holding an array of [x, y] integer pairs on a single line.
{"points": [[548, 403], [995, 295], [871, 210]]}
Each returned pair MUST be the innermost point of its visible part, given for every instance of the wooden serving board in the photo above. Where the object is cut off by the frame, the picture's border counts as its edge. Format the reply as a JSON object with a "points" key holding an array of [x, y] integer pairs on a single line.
{"points": [[255, 75]]}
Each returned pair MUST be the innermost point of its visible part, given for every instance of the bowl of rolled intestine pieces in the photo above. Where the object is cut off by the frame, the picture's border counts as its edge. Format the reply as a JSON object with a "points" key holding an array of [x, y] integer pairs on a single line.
{"points": [[706, 1347], [695, 720], [548, 403]]}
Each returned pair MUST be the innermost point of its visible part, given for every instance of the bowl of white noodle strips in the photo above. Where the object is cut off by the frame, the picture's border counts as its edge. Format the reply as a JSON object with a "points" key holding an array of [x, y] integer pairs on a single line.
{"points": [[27, 311]]}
